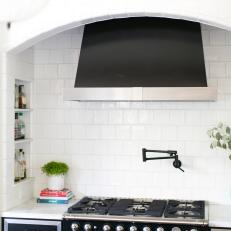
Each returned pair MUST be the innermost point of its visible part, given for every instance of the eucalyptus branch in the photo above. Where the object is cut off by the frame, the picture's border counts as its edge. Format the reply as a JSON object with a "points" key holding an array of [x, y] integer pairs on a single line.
{"points": [[221, 137]]}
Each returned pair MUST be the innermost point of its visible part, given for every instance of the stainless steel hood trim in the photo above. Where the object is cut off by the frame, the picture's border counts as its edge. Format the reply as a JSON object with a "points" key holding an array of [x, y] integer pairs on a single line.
{"points": [[141, 94]]}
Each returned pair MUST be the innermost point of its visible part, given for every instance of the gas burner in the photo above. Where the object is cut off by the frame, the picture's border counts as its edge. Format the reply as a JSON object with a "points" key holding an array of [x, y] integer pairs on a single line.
{"points": [[186, 209], [130, 207], [137, 207], [92, 206]]}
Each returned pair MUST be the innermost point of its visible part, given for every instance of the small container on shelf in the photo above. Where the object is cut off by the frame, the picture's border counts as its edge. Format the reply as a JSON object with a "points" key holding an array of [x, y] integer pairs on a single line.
{"points": [[16, 100], [20, 97], [20, 166], [19, 130]]}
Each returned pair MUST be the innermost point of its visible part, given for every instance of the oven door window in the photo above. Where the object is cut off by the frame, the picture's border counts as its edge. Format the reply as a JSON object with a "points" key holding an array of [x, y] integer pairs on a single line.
{"points": [[31, 225]]}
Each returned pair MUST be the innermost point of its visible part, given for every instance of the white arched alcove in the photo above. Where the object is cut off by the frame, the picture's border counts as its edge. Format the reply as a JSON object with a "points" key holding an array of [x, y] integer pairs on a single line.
{"points": [[61, 15]]}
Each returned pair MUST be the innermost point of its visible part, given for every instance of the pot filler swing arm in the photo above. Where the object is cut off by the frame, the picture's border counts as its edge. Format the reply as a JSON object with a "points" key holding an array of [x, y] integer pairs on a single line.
{"points": [[172, 153]]}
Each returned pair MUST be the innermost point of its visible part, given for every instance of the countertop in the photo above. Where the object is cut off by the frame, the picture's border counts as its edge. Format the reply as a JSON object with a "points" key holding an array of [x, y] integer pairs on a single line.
{"points": [[33, 210], [219, 215]]}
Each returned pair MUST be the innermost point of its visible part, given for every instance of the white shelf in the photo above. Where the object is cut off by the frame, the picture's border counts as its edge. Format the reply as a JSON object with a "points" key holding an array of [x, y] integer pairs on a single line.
{"points": [[22, 110], [22, 141]]}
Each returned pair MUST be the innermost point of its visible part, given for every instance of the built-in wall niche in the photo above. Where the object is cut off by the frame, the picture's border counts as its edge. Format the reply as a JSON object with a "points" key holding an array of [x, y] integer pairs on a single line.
{"points": [[22, 130]]}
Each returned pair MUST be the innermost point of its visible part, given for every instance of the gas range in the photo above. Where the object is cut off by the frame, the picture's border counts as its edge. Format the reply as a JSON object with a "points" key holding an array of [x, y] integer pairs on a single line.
{"points": [[115, 214]]}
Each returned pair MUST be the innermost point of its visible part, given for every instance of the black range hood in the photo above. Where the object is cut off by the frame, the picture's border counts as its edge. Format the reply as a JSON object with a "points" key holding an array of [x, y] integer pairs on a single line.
{"points": [[141, 59]]}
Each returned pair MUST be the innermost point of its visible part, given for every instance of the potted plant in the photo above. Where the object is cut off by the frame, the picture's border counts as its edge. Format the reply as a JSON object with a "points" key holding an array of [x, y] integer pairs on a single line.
{"points": [[221, 137], [55, 172]]}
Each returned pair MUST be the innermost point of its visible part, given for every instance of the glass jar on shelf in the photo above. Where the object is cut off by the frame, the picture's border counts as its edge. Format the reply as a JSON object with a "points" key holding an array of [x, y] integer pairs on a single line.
{"points": [[22, 97]]}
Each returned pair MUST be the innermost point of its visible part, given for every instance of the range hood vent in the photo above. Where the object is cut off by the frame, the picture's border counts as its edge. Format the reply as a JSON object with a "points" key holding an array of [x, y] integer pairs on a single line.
{"points": [[141, 59]]}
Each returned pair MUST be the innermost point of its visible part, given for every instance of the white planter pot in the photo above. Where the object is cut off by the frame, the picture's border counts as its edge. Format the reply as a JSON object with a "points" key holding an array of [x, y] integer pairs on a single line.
{"points": [[56, 182]]}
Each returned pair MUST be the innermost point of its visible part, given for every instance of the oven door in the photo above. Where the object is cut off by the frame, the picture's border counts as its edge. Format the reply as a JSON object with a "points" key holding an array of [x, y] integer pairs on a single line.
{"points": [[31, 225]]}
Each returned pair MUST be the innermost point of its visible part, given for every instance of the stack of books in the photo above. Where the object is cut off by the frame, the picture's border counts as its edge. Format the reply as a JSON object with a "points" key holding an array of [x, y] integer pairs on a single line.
{"points": [[55, 196]]}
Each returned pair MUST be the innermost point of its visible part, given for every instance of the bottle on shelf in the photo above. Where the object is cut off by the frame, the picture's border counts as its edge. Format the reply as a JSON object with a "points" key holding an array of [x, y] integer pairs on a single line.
{"points": [[21, 164], [24, 167], [17, 133], [22, 97], [17, 166], [20, 167], [16, 100], [19, 129], [21, 126]]}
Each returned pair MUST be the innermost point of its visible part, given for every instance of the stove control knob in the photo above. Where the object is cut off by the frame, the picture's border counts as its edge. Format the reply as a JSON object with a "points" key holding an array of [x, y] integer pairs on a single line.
{"points": [[119, 228], [87, 227], [133, 228], [74, 226], [176, 228], [106, 228], [160, 228], [193, 230], [146, 228]]}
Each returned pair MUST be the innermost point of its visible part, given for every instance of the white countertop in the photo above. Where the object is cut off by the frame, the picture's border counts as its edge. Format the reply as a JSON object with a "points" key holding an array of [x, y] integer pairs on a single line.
{"points": [[219, 215], [33, 210]]}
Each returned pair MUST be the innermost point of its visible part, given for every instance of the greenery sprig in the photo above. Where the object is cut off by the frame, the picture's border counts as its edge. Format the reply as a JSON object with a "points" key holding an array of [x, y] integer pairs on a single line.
{"points": [[55, 168], [221, 137]]}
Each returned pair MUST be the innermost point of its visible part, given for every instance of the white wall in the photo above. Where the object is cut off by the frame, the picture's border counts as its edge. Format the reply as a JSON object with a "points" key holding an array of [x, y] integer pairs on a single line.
{"points": [[60, 15], [102, 142]]}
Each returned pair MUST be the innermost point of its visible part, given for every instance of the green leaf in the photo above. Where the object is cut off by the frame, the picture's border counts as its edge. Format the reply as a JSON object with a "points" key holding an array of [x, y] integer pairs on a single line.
{"points": [[220, 125], [230, 156], [229, 144], [210, 133], [218, 136], [228, 130], [218, 144], [224, 146]]}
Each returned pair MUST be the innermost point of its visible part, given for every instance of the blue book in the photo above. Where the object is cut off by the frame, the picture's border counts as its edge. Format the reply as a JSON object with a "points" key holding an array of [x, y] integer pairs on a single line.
{"points": [[52, 201]]}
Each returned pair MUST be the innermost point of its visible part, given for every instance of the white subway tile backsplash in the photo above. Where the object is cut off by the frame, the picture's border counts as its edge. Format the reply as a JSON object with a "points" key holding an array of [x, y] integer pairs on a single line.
{"points": [[130, 116], [115, 116], [67, 71], [76, 40], [93, 131], [217, 69], [63, 41], [56, 57], [218, 37], [192, 117], [79, 131], [45, 71], [101, 117], [123, 132], [103, 141], [41, 56], [146, 116], [71, 55], [205, 37], [108, 132]]}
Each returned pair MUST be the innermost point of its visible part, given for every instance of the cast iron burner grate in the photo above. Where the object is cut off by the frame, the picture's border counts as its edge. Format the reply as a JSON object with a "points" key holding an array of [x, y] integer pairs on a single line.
{"points": [[185, 209], [132, 207], [89, 205]]}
